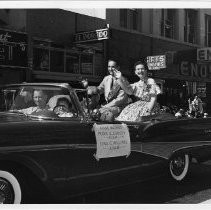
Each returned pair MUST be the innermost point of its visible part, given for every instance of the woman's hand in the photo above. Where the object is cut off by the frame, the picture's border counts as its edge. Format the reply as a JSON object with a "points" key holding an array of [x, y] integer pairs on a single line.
{"points": [[117, 74]]}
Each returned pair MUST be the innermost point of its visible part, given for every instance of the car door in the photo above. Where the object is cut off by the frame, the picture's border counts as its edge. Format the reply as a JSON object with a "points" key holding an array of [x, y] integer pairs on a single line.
{"points": [[64, 149], [86, 173], [166, 137]]}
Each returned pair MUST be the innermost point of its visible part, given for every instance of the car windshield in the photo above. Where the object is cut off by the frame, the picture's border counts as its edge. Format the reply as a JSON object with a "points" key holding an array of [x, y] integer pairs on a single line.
{"points": [[36, 100]]}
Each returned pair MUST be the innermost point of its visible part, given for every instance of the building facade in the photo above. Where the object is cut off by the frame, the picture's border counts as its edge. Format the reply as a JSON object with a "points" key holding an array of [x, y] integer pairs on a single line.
{"points": [[176, 33], [41, 45], [13, 48], [51, 51]]}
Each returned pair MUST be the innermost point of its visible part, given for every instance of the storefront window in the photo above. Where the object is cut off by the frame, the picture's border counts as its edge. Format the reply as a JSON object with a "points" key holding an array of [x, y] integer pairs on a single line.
{"points": [[99, 61], [72, 63], [13, 49], [78, 60], [57, 61], [41, 59], [201, 89], [87, 64]]}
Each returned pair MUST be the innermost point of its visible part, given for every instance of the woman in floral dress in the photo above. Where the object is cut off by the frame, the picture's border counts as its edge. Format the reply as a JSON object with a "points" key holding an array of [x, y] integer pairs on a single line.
{"points": [[145, 90]]}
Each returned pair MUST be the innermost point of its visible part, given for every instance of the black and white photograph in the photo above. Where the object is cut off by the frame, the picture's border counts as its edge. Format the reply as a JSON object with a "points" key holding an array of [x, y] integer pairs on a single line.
{"points": [[105, 102]]}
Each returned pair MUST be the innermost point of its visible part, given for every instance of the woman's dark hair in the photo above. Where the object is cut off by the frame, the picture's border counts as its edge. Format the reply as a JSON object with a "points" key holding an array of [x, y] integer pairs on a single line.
{"points": [[114, 60], [144, 63]]}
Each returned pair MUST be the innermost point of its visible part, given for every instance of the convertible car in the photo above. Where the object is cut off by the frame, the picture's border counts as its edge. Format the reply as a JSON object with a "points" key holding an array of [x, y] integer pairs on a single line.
{"points": [[49, 155]]}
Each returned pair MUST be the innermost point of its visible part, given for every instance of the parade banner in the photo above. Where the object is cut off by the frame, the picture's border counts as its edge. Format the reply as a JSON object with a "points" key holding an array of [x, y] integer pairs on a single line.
{"points": [[113, 140]]}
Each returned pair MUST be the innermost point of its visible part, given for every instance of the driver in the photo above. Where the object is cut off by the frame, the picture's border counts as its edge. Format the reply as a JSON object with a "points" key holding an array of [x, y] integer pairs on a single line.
{"points": [[40, 100]]}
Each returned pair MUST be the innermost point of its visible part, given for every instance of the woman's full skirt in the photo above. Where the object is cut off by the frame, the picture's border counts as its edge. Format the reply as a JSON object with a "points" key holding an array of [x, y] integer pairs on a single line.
{"points": [[135, 111]]}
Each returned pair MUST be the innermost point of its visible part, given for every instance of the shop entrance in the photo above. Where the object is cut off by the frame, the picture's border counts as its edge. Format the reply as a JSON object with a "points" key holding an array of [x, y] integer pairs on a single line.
{"points": [[177, 92], [174, 93]]}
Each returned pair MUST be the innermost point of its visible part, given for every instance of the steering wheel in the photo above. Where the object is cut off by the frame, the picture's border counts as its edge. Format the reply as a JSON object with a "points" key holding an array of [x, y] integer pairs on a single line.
{"points": [[60, 109]]}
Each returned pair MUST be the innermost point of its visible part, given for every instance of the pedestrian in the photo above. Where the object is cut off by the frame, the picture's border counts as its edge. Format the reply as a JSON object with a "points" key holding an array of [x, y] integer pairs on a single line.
{"points": [[197, 106], [190, 105]]}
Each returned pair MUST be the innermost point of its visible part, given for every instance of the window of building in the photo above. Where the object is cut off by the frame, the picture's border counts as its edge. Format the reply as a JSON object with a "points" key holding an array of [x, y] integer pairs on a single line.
{"points": [[208, 30], [134, 19], [133, 14], [190, 26], [79, 60], [41, 59], [72, 63], [98, 64], [167, 22], [57, 61], [123, 18], [87, 63], [41, 55]]}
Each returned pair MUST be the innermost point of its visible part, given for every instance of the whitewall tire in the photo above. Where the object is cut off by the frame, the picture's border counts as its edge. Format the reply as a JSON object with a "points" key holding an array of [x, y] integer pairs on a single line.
{"points": [[179, 166], [10, 190]]}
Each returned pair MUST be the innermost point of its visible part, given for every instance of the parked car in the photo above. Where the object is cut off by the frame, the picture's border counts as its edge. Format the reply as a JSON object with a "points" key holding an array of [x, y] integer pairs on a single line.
{"points": [[46, 155]]}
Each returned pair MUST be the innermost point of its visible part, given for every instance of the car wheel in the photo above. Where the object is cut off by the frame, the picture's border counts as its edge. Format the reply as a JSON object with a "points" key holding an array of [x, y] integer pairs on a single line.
{"points": [[10, 190], [179, 166]]}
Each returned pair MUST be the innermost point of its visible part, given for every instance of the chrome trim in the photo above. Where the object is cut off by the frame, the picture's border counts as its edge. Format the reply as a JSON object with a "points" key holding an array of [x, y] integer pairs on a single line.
{"points": [[135, 147], [99, 173]]}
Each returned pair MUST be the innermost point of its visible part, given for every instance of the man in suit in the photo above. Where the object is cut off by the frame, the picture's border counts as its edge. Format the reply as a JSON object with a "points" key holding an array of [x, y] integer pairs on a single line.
{"points": [[116, 99]]}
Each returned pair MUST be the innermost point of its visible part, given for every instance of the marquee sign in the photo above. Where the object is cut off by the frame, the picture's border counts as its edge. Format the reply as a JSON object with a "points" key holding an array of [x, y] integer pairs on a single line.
{"points": [[204, 54], [89, 36], [193, 64]]}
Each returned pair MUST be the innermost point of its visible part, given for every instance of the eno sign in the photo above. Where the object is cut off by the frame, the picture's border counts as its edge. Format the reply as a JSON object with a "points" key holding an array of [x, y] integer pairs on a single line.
{"points": [[204, 54], [91, 35], [156, 62]]}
